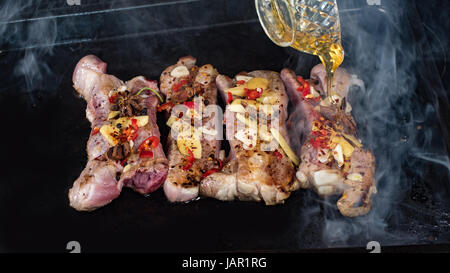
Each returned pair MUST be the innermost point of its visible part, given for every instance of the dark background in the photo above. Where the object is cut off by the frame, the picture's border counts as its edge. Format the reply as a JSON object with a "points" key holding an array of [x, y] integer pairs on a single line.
{"points": [[44, 130]]}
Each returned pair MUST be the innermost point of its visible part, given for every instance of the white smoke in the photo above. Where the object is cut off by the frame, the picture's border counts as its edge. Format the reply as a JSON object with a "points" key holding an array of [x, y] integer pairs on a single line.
{"points": [[30, 38], [401, 130]]}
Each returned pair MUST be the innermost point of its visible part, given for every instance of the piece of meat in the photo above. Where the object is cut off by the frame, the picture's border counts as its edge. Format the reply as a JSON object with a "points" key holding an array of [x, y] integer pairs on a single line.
{"points": [[96, 186], [321, 167], [255, 173], [357, 197], [102, 179], [341, 80], [198, 88], [187, 70], [91, 82], [146, 174]]}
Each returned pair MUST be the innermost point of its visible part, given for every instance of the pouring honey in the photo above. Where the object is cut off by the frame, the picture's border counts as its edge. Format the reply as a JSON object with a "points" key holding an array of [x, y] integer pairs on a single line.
{"points": [[311, 26]]}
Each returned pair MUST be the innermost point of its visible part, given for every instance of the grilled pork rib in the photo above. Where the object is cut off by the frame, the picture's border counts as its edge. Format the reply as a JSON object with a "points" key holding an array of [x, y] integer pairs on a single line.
{"points": [[104, 176], [192, 91], [146, 175], [253, 173], [332, 158]]}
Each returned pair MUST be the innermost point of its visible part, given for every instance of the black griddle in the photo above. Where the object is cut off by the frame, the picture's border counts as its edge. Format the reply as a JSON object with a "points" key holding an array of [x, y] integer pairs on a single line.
{"points": [[44, 130]]}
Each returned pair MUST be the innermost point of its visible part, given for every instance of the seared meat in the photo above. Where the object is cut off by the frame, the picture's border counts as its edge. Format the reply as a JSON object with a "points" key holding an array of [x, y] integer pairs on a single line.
{"points": [[194, 140], [332, 158], [105, 174], [341, 80], [173, 76], [360, 185], [257, 168], [97, 184], [146, 175]]}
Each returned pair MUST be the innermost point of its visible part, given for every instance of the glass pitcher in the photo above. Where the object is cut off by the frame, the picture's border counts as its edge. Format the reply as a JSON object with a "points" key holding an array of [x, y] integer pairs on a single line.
{"points": [[311, 26]]}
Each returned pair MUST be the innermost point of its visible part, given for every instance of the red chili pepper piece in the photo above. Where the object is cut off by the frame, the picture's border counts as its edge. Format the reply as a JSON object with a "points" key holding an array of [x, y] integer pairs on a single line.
{"points": [[305, 86], [167, 105], [319, 143], [320, 133], [189, 104], [133, 136], [146, 154], [253, 93], [300, 80], [155, 142], [209, 172], [314, 143], [213, 170], [95, 131], [131, 132], [149, 143], [229, 98], [241, 82], [123, 161], [134, 124], [112, 99], [278, 154], [190, 161], [177, 86], [134, 129]]}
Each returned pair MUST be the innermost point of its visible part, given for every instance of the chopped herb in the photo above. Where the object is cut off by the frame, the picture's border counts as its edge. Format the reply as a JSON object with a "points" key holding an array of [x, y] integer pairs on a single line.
{"points": [[151, 89]]}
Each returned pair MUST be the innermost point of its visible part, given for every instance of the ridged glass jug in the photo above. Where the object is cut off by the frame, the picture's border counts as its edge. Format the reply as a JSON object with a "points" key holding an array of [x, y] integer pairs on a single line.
{"points": [[311, 26]]}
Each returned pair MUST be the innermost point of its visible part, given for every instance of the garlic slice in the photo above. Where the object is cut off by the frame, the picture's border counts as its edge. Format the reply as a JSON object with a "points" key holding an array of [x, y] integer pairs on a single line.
{"points": [[122, 88], [172, 120], [327, 177], [301, 176], [243, 78], [179, 71], [347, 148], [353, 140], [126, 168], [323, 155], [109, 132], [338, 155], [355, 177], [313, 91], [113, 114]]}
